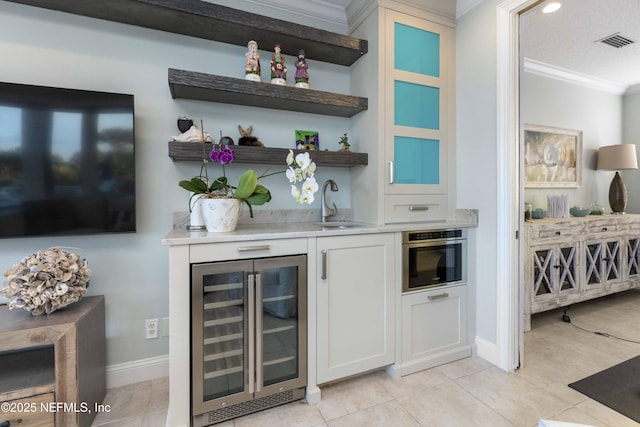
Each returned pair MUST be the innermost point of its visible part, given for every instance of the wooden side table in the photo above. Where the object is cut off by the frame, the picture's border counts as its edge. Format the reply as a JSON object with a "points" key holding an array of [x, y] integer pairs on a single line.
{"points": [[52, 368]]}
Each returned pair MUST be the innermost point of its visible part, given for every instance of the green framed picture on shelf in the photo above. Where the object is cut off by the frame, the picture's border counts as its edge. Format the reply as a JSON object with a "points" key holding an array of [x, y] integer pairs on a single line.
{"points": [[307, 140]]}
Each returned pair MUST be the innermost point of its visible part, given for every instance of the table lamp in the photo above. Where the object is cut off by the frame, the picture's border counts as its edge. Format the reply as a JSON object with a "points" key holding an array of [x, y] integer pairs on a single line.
{"points": [[616, 158]]}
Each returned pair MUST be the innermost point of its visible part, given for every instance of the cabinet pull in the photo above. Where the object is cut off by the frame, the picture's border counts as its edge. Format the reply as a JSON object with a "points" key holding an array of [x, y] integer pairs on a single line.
{"points": [[323, 275], [558, 233], [418, 208], [253, 248], [250, 320], [604, 228], [390, 172], [258, 335], [439, 296]]}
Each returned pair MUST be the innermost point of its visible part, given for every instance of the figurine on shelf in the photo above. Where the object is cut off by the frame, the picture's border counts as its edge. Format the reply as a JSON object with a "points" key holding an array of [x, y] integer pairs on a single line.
{"points": [[302, 74], [184, 123], [252, 62], [278, 70], [193, 134], [247, 139], [344, 141]]}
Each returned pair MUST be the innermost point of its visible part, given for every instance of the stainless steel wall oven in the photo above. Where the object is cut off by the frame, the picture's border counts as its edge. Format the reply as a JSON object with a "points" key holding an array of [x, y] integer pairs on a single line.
{"points": [[433, 258], [248, 336]]}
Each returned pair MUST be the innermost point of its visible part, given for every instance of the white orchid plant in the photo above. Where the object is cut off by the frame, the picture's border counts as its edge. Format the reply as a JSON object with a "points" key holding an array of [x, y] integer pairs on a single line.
{"points": [[302, 169]]}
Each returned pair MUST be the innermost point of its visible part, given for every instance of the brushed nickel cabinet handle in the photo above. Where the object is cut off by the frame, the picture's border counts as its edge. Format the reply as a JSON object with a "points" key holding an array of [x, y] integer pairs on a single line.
{"points": [[439, 296], [323, 275], [418, 208], [254, 248], [390, 172]]}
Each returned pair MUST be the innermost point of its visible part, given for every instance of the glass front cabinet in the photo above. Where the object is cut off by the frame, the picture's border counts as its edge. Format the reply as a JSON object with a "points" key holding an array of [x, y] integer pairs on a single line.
{"points": [[419, 120], [248, 336]]}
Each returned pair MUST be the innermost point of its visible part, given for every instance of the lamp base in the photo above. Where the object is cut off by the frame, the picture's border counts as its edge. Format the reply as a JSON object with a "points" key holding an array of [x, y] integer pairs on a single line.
{"points": [[617, 195]]}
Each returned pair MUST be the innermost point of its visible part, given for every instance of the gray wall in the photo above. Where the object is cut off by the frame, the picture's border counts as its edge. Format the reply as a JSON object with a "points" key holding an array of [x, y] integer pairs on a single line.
{"points": [[631, 135], [476, 149], [56, 49], [549, 102]]}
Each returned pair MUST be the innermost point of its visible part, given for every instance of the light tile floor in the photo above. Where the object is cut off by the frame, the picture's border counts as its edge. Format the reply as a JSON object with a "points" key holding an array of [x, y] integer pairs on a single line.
{"points": [[469, 392]]}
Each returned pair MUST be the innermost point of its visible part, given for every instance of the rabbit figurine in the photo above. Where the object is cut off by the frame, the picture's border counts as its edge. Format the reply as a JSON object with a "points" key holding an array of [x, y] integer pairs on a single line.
{"points": [[247, 139]]}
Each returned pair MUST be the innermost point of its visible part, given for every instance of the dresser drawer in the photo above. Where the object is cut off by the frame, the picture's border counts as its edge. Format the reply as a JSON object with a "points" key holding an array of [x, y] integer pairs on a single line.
{"points": [[28, 411], [604, 226], [554, 230], [415, 208], [246, 249]]}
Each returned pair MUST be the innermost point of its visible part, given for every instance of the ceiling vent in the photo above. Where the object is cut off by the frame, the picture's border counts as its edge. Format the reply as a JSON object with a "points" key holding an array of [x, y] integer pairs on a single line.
{"points": [[616, 40]]}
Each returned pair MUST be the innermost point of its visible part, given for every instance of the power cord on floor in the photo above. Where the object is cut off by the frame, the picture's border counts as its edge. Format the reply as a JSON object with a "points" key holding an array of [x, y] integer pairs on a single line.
{"points": [[565, 318]]}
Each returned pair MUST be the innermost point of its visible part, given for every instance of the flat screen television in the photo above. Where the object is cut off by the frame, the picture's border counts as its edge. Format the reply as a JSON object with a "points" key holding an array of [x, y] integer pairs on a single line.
{"points": [[67, 164]]}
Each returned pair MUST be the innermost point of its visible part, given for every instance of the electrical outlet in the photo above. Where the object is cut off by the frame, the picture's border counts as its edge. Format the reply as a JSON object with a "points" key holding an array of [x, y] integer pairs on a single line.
{"points": [[150, 328]]}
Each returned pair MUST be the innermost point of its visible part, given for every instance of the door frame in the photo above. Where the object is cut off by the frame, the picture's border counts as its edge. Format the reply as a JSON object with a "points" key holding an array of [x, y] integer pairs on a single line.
{"points": [[509, 279]]}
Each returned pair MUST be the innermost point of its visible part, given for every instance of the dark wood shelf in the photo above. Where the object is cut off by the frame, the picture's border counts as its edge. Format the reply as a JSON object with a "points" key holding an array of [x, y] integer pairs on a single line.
{"points": [[214, 22], [192, 151], [229, 90]]}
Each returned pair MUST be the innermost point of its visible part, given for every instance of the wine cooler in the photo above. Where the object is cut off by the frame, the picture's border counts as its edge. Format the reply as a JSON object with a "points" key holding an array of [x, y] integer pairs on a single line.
{"points": [[248, 336]]}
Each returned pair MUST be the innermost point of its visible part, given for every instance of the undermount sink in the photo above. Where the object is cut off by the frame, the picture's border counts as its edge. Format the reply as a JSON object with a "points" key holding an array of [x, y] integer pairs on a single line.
{"points": [[338, 224]]}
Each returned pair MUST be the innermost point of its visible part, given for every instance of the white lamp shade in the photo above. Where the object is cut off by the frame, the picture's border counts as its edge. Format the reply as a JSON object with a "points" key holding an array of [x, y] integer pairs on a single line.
{"points": [[617, 157]]}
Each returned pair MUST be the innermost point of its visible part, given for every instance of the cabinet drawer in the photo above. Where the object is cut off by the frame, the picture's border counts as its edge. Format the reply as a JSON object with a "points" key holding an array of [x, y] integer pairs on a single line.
{"points": [[26, 412], [554, 231], [603, 226], [246, 249], [415, 208], [434, 323]]}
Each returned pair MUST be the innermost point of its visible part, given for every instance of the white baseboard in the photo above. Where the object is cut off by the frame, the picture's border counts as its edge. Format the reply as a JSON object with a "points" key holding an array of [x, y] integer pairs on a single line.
{"points": [[139, 370], [487, 350]]}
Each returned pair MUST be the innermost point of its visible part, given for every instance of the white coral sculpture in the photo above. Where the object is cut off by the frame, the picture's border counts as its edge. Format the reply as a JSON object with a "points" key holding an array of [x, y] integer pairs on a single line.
{"points": [[46, 281]]}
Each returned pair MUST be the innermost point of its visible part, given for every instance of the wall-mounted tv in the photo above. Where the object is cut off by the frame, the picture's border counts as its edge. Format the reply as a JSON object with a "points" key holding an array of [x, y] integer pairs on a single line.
{"points": [[67, 164]]}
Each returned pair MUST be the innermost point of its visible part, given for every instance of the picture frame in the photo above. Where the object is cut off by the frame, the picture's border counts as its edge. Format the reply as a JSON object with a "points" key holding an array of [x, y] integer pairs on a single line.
{"points": [[552, 157], [307, 140]]}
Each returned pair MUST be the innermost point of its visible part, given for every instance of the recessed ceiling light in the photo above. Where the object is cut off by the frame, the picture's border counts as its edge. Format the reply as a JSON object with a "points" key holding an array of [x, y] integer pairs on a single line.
{"points": [[551, 7]]}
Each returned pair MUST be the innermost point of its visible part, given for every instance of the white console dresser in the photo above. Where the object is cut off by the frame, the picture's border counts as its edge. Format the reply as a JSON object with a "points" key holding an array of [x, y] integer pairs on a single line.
{"points": [[568, 260]]}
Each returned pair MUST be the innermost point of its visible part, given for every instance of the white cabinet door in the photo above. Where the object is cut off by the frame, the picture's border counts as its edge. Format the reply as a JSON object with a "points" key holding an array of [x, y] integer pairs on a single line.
{"points": [[355, 304], [434, 328], [419, 118]]}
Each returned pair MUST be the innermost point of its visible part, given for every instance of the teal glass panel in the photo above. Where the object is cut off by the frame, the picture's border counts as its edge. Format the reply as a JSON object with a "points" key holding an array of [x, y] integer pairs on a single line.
{"points": [[417, 160], [416, 50], [416, 105]]}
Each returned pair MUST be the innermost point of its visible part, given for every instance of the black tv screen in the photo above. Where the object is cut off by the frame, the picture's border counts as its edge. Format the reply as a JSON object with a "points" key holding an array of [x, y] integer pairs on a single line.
{"points": [[67, 163]]}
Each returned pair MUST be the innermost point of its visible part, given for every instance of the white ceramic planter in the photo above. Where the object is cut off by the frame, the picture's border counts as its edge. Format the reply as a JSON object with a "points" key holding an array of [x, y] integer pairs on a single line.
{"points": [[220, 215]]}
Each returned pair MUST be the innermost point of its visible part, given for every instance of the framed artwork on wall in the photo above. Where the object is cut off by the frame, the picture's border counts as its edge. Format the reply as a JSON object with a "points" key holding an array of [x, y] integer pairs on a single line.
{"points": [[552, 157], [307, 140]]}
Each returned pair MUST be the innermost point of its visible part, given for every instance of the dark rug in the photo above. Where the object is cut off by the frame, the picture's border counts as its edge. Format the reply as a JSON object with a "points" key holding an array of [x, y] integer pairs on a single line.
{"points": [[617, 387]]}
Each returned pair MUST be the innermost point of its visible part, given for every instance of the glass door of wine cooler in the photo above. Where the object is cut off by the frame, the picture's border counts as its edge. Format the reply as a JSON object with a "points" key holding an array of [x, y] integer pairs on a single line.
{"points": [[248, 331], [281, 325], [221, 330]]}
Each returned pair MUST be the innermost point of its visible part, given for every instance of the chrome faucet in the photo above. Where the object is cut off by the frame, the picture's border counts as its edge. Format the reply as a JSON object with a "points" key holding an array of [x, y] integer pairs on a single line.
{"points": [[326, 210]]}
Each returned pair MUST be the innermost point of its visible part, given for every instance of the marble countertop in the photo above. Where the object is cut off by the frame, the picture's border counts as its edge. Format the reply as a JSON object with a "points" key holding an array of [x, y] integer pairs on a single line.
{"points": [[288, 230]]}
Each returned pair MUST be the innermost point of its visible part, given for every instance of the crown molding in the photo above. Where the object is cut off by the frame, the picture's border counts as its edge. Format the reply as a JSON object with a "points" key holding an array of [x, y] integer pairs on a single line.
{"points": [[358, 11], [633, 90], [314, 9], [558, 73], [465, 6]]}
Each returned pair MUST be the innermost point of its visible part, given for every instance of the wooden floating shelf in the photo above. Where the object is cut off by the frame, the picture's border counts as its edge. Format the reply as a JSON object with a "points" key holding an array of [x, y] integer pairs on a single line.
{"points": [[192, 151], [228, 90], [219, 23]]}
